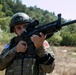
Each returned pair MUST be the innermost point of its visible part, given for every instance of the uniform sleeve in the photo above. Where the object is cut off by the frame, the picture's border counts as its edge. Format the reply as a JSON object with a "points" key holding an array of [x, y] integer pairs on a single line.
{"points": [[45, 58], [6, 56]]}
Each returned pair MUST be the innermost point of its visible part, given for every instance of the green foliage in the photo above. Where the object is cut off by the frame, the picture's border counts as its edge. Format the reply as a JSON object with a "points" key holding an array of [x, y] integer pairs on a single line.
{"points": [[72, 28], [9, 13], [74, 39], [55, 39], [18, 7], [5, 37], [68, 39], [2, 14], [4, 23], [0, 7]]}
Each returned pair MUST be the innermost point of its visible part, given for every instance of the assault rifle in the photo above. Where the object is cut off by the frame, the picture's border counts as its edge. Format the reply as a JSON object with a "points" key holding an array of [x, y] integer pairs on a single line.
{"points": [[34, 28]]}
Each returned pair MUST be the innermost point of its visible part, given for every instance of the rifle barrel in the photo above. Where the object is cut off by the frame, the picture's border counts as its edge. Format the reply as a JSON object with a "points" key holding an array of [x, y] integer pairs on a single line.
{"points": [[67, 23]]}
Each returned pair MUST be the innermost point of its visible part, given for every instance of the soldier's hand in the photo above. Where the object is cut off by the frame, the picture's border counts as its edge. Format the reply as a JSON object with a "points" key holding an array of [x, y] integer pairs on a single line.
{"points": [[38, 40], [21, 46]]}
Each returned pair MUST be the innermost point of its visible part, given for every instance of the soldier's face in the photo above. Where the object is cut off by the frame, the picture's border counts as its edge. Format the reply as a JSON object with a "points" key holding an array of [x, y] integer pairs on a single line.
{"points": [[19, 29]]}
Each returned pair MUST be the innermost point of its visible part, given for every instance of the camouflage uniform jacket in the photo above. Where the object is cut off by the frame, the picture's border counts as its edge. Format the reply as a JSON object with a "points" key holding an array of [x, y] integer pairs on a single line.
{"points": [[25, 66]]}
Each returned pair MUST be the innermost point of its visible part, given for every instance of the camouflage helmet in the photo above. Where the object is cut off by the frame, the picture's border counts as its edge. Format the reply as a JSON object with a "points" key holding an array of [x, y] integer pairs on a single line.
{"points": [[19, 18]]}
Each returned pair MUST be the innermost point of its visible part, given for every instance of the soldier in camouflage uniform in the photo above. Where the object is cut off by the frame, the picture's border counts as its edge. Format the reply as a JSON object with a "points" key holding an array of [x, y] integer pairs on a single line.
{"points": [[15, 59]]}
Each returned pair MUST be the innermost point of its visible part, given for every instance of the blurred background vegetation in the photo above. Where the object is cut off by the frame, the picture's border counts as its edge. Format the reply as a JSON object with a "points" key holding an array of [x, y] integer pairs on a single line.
{"points": [[65, 37]]}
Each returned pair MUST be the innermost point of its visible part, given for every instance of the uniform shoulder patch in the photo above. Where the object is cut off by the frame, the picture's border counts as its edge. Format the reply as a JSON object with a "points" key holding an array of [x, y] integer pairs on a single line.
{"points": [[46, 44], [6, 46], [48, 48]]}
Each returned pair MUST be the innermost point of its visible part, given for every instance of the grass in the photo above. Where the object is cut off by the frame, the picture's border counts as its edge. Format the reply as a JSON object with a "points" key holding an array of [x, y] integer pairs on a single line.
{"points": [[65, 63]]}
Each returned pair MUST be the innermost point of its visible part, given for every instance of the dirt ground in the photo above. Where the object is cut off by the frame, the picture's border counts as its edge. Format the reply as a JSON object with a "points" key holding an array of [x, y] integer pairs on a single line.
{"points": [[65, 61]]}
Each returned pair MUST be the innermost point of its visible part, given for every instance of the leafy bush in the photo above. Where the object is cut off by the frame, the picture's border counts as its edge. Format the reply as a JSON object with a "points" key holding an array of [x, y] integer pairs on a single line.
{"points": [[55, 39], [4, 23], [68, 39], [5, 37]]}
